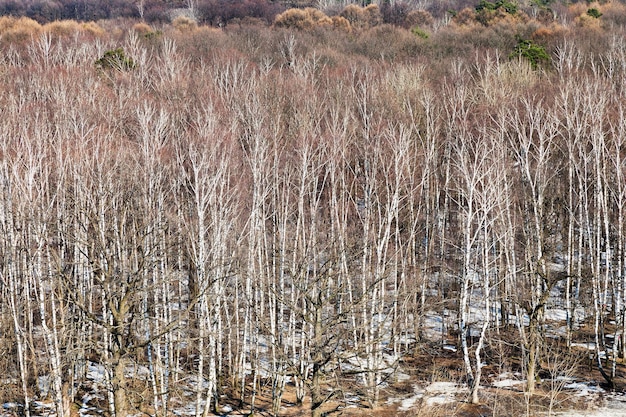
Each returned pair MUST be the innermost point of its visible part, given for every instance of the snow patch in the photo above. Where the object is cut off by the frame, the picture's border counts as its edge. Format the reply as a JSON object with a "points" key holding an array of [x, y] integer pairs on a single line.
{"points": [[440, 399], [401, 377], [442, 387], [507, 383], [410, 402], [95, 372], [583, 389], [440, 393]]}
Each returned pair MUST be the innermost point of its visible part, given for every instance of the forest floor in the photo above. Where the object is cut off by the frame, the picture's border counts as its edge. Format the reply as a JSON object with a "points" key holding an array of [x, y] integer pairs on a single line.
{"points": [[429, 382], [430, 392], [426, 384]]}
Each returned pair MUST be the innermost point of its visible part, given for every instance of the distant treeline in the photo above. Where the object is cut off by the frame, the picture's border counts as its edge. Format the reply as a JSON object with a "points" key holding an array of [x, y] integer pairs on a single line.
{"points": [[206, 11], [210, 12]]}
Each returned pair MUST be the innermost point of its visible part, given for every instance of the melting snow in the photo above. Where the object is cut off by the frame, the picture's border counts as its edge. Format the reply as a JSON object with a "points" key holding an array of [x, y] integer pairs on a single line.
{"points": [[507, 383], [410, 402], [583, 389], [436, 393], [442, 392]]}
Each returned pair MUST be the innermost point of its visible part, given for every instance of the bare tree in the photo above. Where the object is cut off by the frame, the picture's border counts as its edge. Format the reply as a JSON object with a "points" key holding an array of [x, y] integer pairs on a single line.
{"points": [[535, 130], [476, 195]]}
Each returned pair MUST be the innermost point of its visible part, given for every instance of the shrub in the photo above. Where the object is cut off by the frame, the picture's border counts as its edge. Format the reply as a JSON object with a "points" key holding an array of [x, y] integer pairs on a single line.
{"points": [[146, 31], [184, 24], [507, 6], [534, 53], [362, 17], [388, 42], [309, 18], [202, 42], [465, 17], [62, 28], [545, 15], [324, 22], [588, 22], [6, 23], [115, 59], [549, 35], [615, 13], [419, 32], [342, 24], [142, 28], [373, 14], [92, 28], [355, 15], [316, 15], [295, 19], [488, 13], [18, 30], [593, 12], [421, 18]]}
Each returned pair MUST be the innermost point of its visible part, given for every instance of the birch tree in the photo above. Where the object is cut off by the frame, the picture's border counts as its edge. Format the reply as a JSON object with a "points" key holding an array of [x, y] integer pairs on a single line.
{"points": [[476, 198], [205, 164], [532, 143]]}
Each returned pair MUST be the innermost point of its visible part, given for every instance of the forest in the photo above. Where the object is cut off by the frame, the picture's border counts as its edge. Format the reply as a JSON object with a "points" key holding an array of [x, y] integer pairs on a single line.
{"points": [[324, 210]]}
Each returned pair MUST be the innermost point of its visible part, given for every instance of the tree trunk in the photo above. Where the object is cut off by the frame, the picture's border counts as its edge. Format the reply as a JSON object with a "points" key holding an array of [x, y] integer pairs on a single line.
{"points": [[118, 385], [531, 366]]}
